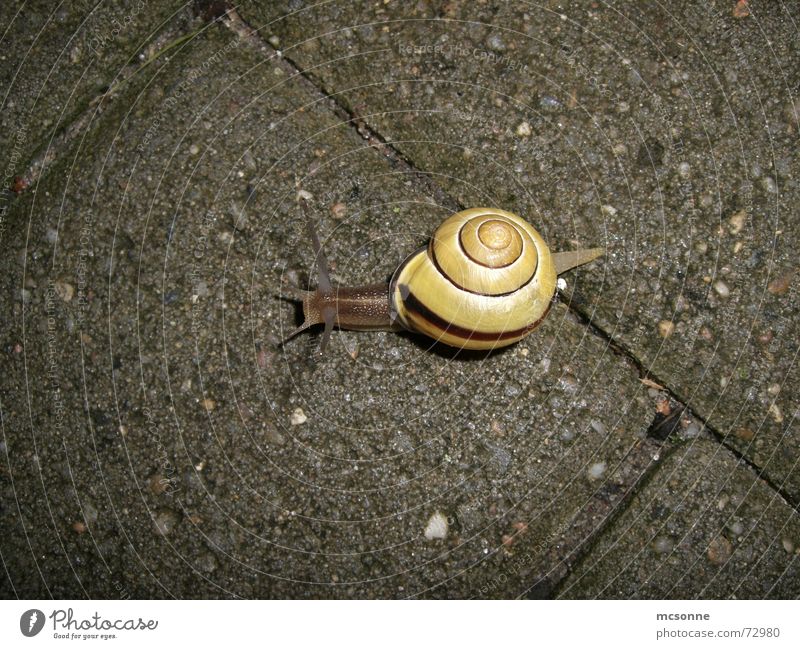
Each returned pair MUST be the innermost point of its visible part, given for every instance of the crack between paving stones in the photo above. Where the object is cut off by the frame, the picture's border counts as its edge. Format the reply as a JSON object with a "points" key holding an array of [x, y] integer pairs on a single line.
{"points": [[243, 29], [577, 558], [715, 434]]}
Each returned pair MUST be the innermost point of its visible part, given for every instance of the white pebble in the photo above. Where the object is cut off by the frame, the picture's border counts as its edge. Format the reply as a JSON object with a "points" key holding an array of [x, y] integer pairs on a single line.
{"points": [[64, 290], [524, 129], [737, 221], [597, 470], [298, 417], [722, 288], [436, 527], [598, 426], [608, 210]]}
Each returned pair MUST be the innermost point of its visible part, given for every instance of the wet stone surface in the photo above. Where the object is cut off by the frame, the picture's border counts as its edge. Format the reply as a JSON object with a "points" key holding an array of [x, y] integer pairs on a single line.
{"points": [[704, 527], [273, 472], [60, 58], [665, 135], [159, 442]]}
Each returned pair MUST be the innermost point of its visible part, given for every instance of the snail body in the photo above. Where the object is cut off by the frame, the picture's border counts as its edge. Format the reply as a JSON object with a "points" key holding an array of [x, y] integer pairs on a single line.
{"points": [[485, 280]]}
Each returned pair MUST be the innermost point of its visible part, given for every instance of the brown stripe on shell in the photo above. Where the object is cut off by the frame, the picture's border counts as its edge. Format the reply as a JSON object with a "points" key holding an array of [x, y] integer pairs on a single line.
{"points": [[415, 306]]}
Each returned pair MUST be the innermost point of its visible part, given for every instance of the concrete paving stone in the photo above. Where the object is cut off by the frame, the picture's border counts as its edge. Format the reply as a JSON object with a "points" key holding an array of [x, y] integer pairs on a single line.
{"points": [[147, 411], [666, 133], [56, 58], [705, 526]]}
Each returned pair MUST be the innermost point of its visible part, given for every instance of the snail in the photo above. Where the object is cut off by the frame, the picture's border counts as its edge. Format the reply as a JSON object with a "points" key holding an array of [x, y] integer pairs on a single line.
{"points": [[485, 280]]}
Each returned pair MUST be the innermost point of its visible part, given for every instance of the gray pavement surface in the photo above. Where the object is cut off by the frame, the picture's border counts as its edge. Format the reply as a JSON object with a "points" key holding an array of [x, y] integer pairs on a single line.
{"points": [[158, 442]]}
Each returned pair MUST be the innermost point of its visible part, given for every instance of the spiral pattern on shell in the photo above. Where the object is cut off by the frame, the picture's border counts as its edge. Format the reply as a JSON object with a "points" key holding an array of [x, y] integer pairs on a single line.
{"points": [[484, 281]]}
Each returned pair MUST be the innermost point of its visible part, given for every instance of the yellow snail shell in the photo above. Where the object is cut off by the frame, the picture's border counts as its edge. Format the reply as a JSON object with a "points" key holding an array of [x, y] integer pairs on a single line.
{"points": [[484, 281]]}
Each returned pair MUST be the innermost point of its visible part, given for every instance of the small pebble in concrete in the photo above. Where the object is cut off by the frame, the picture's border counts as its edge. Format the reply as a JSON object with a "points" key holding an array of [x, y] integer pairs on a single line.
{"points": [[619, 149], [597, 470], [775, 413], [780, 285], [298, 417], [64, 290], [437, 527], [524, 129], [692, 430], [495, 43], [158, 484], [208, 404], [666, 328], [339, 210], [737, 221], [166, 520], [549, 103], [719, 551], [721, 288], [788, 545]]}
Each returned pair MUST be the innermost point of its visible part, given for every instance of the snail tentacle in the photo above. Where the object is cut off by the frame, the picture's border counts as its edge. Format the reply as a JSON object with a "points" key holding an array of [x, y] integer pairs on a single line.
{"points": [[324, 278], [346, 307], [569, 259]]}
